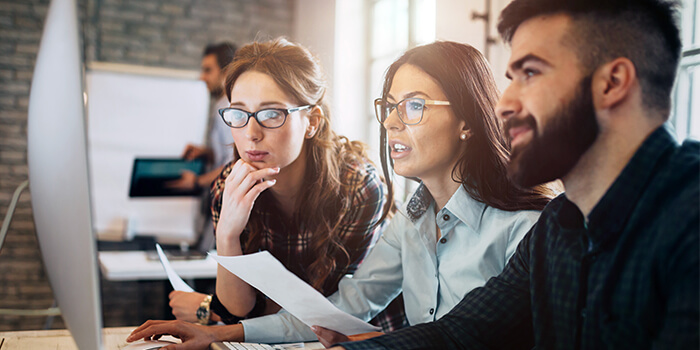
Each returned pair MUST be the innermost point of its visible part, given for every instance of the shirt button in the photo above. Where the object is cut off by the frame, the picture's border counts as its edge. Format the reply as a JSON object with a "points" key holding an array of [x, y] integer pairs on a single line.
{"points": [[446, 217], [443, 240], [432, 311]]}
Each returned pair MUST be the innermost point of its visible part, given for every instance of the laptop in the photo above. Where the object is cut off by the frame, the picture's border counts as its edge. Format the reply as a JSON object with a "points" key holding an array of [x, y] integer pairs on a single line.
{"points": [[150, 177]]}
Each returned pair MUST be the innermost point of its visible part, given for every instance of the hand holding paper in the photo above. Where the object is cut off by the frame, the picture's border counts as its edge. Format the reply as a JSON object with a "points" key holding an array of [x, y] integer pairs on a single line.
{"points": [[264, 272]]}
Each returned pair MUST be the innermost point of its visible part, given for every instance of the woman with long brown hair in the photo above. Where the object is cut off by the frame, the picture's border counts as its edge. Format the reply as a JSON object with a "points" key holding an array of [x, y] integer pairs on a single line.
{"points": [[295, 188], [457, 230]]}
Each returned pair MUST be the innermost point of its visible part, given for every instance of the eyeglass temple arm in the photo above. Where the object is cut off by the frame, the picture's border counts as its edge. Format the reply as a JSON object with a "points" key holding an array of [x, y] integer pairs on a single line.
{"points": [[296, 109], [436, 102]]}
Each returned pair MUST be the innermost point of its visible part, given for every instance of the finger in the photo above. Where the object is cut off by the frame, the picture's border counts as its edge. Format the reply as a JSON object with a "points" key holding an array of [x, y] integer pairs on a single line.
{"points": [[181, 346], [186, 151], [326, 337], [254, 192], [363, 336], [173, 294], [254, 178], [145, 325], [239, 171], [190, 152], [326, 344], [149, 329]]}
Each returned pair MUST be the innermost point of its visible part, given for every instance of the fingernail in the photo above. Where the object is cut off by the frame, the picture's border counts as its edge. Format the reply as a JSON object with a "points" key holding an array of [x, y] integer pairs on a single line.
{"points": [[314, 329], [272, 182], [276, 168]]}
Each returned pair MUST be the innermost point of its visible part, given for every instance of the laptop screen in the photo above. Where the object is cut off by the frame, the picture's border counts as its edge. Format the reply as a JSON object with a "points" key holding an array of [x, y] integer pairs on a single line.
{"points": [[152, 177]]}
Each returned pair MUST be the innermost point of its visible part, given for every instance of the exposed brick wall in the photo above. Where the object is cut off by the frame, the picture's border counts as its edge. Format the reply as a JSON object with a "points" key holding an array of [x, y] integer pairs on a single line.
{"points": [[164, 33], [172, 33]]}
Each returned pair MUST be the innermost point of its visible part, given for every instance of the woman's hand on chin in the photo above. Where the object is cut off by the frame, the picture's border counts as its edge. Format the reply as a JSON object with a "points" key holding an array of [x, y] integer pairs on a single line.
{"points": [[243, 186]]}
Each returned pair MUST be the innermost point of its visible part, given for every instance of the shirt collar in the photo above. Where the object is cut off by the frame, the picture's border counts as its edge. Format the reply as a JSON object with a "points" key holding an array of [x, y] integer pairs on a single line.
{"points": [[612, 211], [419, 203], [461, 205]]}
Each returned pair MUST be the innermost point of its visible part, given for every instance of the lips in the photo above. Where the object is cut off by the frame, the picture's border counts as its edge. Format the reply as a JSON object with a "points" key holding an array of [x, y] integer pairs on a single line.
{"points": [[256, 156], [519, 129], [398, 149], [515, 132]]}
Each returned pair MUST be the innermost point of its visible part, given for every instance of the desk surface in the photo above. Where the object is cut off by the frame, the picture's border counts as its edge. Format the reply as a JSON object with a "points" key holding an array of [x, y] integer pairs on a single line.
{"points": [[60, 339], [135, 265]]}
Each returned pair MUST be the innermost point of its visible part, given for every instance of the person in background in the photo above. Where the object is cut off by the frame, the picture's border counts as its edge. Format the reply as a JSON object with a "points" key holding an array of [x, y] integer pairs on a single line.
{"points": [[458, 229], [218, 150], [613, 263], [219, 144], [296, 188]]}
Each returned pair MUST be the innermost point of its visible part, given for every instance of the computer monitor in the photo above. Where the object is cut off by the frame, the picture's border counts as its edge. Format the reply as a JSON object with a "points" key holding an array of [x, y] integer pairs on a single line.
{"points": [[58, 175]]}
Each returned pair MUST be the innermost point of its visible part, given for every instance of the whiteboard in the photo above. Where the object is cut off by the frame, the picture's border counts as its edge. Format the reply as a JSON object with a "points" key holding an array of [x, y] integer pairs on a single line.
{"points": [[134, 112]]}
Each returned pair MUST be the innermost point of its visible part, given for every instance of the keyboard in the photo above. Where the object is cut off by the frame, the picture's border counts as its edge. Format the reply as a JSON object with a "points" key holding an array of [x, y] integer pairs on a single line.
{"points": [[247, 346], [251, 346]]}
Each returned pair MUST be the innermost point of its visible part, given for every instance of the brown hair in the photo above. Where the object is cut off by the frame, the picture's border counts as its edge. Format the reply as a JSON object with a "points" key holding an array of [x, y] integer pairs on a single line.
{"points": [[644, 31], [298, 73], [464, 75]]}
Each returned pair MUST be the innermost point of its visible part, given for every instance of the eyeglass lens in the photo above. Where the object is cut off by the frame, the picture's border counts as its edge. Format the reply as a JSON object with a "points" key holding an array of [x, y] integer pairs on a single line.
{"points": [[270, 118], [410, 110]]}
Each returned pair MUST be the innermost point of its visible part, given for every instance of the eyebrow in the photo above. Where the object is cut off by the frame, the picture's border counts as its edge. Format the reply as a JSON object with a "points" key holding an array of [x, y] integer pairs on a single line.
{"points": [[262, 104], [518, 65], [409, 95]]}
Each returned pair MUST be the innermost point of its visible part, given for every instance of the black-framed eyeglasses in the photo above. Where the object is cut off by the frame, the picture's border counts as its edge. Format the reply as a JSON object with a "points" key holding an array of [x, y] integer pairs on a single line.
{"points": [[410, 109], [270, 118]]}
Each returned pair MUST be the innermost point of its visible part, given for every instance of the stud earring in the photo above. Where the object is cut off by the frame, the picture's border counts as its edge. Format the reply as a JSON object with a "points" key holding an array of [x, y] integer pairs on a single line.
{"points": [[463, 137]]}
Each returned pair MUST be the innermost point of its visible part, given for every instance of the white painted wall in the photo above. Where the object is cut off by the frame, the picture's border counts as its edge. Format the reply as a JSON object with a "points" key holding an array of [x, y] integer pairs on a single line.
{"points": [[335, 32], [455, 23], [314, 27], [350, 85]]}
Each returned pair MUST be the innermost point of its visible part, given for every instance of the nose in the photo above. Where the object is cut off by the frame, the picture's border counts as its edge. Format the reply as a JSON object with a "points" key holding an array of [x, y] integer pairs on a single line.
{"points": [[509, 104], [392, 121], [253, 131]]}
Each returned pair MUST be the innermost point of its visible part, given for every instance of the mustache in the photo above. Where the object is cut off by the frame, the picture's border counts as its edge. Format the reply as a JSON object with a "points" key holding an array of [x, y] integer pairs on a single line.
{"points": [[513, 122]]}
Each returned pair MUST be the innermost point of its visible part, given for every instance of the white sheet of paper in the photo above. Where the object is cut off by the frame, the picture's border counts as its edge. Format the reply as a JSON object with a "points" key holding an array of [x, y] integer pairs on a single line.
{"points": [[265, 273], [175, 280]]}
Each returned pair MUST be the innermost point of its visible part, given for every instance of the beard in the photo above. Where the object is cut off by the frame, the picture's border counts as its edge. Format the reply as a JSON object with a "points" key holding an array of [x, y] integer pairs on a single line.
{"points": [[570, 132], [216, 91]]}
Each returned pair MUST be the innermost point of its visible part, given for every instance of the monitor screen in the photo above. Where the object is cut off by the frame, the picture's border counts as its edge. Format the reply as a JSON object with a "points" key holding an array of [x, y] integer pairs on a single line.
{"points": [[58, 175]]}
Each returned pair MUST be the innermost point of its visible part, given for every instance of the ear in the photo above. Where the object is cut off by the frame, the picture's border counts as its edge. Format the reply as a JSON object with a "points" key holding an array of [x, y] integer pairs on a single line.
{"points": [[465, 134], [613, 83], [315, 117]]}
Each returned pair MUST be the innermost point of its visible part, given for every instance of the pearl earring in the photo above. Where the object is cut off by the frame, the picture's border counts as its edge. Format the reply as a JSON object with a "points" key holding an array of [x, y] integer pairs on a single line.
{"points": [[463, 137]]}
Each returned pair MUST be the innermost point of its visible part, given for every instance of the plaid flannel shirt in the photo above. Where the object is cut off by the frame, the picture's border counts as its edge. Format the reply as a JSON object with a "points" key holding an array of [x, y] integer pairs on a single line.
{"points": [[291, 244], [629, 279]]}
